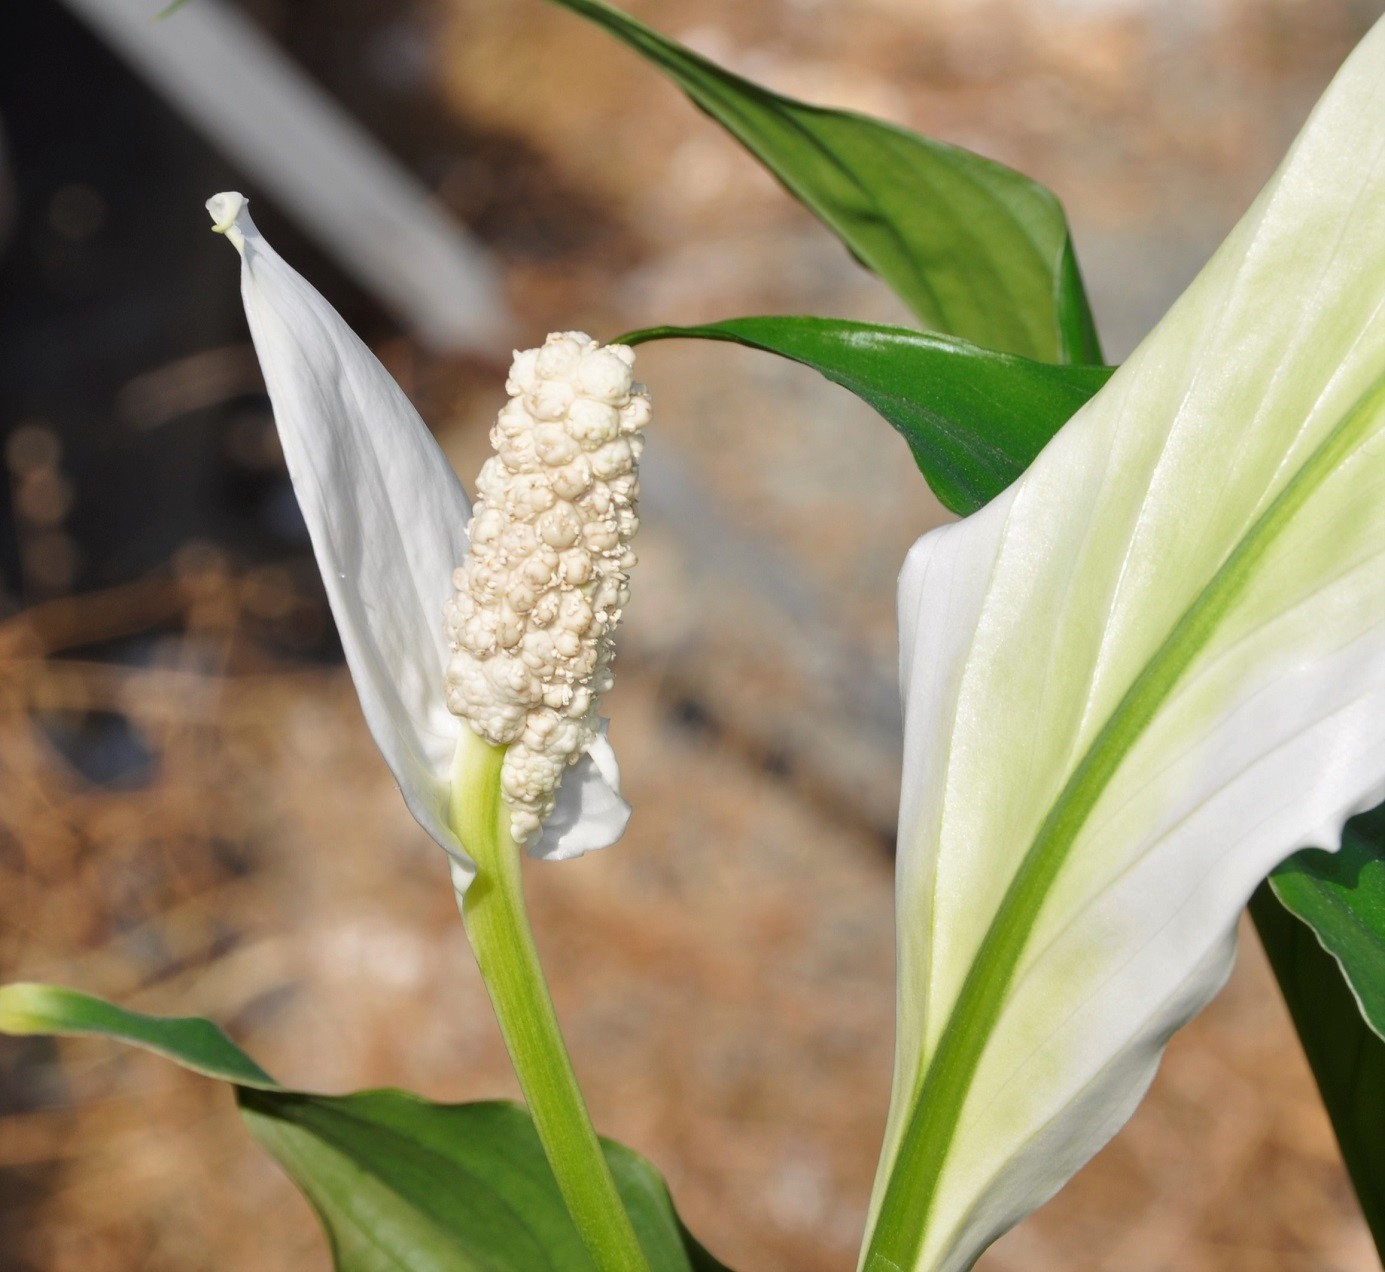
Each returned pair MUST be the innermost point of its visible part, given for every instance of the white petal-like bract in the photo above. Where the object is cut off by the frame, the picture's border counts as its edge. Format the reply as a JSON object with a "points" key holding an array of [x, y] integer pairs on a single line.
{"points": [[1142, 676]]}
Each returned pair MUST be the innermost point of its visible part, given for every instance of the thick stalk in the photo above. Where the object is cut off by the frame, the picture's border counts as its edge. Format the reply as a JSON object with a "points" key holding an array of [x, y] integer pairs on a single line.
{"points": [[497, 925]]}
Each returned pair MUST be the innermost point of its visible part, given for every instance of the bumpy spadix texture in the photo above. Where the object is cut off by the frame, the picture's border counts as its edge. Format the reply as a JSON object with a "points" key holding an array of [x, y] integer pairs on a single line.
{"points": [[1137, 680], [540, 594], [388, 523]]}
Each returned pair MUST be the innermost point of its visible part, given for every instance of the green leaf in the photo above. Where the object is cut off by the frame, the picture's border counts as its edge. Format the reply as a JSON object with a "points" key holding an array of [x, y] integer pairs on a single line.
{"points": [[1136, 681], [973, 248], [195, 1044], [398, 1182], [974, 419], [1321, 919], [1347, 1058], [1341, 896]]}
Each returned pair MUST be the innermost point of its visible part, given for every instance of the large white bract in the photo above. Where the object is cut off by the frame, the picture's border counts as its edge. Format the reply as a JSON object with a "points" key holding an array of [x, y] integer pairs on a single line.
{"points": [[1150, 670], [387, 517]]}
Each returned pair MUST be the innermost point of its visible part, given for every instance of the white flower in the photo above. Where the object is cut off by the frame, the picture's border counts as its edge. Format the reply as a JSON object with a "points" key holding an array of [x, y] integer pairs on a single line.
{"points": [[388, 520]]}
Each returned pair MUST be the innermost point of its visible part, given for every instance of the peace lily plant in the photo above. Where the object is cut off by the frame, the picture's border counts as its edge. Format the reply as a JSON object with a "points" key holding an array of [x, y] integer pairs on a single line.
{"points": [[1146, 669]]}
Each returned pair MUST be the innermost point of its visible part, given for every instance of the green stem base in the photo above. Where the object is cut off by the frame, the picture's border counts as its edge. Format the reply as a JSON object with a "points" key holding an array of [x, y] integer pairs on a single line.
{"points": [[497, 925]]}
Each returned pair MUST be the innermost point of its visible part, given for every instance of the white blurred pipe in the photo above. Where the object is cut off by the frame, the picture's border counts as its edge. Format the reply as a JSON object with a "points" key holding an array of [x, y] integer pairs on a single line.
{"points": [[364, 207]]}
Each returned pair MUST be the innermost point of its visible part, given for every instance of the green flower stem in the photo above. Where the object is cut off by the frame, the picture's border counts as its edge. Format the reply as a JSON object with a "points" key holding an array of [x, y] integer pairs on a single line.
{"points": [[498, 927]]}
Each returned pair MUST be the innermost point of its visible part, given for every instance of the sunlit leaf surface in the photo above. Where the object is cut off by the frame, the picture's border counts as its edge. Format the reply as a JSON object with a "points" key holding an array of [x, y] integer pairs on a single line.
{"points": [[974, 249], [974, 419]]}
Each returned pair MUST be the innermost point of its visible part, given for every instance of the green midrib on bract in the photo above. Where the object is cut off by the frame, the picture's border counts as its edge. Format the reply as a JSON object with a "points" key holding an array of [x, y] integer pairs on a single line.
{"points": [[897, 1240]]}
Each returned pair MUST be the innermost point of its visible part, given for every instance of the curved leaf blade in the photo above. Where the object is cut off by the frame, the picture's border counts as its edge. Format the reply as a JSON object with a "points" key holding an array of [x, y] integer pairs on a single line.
{"points": [[398, 1182], [974, 419], [973, 248], [196, 1044], [1135, 682]]}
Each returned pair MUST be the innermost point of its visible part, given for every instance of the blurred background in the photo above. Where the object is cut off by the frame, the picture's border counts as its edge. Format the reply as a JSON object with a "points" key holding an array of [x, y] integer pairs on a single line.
{"points": [[192, 816]]}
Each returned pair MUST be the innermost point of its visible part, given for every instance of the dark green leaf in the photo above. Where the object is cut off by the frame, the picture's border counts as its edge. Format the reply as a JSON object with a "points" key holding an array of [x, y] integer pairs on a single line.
{"points": [[1341, 896], [975, 249], [1347, 1058], [973, 418], [399, 1183], [1321, 918]]}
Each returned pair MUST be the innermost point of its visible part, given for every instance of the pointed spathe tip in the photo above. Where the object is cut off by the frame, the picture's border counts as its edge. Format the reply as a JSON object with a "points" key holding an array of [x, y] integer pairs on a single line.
{"points": [[225, 209], [231, 216]]}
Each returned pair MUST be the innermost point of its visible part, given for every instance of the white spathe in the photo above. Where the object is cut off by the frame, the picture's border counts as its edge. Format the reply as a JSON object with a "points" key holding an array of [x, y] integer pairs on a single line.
{"points": [[387, 517], [1171, 630]]}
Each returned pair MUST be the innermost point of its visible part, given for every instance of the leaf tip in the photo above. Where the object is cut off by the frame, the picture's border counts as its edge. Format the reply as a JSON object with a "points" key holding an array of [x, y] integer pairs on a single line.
{"points": [[28, 1008]]}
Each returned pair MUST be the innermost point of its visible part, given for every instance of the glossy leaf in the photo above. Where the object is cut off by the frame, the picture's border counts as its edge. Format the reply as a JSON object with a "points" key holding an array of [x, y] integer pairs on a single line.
{"points": [[397, 1181], [974, 419], [1347, 1058], [1134, 682], [973, 248]]}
